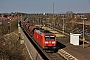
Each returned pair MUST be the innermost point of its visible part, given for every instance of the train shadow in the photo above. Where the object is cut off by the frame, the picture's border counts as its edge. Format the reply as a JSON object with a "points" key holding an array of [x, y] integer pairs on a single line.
{"points": [[59, 46]]}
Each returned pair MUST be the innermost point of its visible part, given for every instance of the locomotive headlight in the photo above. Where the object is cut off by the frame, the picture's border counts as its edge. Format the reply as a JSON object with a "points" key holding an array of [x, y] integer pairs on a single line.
{"points": [[53, 42], [46, 42]]}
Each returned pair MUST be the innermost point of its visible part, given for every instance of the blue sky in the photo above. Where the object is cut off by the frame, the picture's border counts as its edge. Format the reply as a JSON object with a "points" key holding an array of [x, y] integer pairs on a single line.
{"points": [[41, 6]]}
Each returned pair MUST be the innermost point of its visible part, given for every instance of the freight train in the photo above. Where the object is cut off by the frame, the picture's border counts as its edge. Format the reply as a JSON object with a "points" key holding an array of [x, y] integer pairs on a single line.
{"points": [[45, 38]]}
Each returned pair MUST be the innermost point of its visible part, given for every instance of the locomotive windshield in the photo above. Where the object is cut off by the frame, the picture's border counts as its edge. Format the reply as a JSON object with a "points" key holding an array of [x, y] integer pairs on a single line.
{"points": [[49, 37]]}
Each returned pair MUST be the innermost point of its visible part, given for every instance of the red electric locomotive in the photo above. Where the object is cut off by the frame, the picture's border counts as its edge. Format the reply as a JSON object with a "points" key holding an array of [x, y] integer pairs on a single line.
{"points": [[46, 39]]}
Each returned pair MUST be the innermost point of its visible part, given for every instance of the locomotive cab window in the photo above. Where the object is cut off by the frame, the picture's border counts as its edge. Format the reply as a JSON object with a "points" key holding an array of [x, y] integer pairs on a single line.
{"points": [[49, 37]]}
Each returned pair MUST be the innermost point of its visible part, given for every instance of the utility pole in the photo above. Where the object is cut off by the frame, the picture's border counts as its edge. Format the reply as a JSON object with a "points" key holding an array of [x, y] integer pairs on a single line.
{"points": [[63, 24], [83, 38], [83, 32], [63, 17], [53, 15]]}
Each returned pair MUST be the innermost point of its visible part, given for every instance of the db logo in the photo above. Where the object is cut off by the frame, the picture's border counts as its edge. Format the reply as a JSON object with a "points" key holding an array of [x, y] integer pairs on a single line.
{"points": [[49, 41]]}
